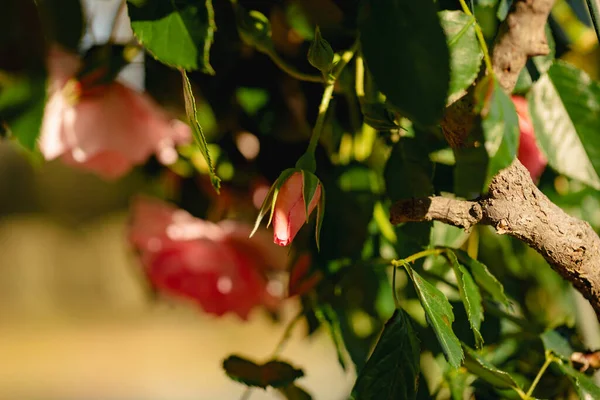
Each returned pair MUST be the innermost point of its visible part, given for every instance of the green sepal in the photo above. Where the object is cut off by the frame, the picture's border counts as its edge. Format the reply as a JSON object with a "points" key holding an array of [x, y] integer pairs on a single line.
{"points": [[320, 216], [307, 162], [310, 185], [269, 201]]}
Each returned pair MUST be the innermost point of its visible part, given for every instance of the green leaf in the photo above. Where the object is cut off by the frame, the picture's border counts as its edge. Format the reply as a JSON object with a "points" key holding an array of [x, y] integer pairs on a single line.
{"points": [[392, 372], [378, 116], [500, 125], [457, 382], [178, 33], [408, 170], [584, 385], [470, 296], [326, 314], [486, 371], [274, 373], [414, 73], [465, 52], [557, 344], [483, 277], [439, 315], [192, 113], [294, 392], [22, 102], [565, 108]]}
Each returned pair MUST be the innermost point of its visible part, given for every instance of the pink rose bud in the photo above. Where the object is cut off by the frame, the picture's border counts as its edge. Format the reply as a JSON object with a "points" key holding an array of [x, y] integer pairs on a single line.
{"points": [[106, 129], [529, 153], [290, 210], [214, 265]]}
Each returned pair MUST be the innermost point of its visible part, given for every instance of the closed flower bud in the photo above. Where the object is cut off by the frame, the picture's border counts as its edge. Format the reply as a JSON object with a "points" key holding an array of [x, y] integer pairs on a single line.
{"points": [[320, 53], [290, 209]]}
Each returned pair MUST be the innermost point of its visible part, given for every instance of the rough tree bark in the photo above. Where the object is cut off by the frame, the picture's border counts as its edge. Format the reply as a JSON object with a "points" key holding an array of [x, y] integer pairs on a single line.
{"points": [[513, 204]]}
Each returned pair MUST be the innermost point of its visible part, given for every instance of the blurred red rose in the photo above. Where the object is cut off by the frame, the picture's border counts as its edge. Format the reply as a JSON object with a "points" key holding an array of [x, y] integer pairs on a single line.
{"points": [[107, 130], [215, 265], [289, 209], [529, 153]]}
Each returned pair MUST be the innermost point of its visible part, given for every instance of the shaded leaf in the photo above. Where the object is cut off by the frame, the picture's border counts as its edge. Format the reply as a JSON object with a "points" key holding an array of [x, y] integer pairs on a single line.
{"points": [[392, 371], [500, 125], [294, 392], [584, 385], [414, 73], [465, 52], [22, 102], [273, 373], [557, 344], [408, 170], [192, 113], [178, 33], [329, 318], [470, 296], [565, 108], [483, 277], [486, 371], [439, 315]]}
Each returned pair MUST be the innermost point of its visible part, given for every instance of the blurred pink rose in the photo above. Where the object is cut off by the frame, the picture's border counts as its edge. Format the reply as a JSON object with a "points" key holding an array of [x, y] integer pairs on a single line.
{"points": [[215, 265], [290, 211], [105, 129], [529, 153]]}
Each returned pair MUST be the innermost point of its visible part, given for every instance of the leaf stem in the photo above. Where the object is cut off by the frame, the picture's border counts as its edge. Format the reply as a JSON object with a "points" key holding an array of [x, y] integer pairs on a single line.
{"points": [[290, 70], [416, 256], [287, 334], [594, 9], [480, 38], [549, 360], [327, 94]]}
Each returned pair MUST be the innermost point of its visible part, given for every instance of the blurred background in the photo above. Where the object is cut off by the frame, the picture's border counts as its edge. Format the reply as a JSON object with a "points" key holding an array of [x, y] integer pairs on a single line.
{"points": [[77, 319]]}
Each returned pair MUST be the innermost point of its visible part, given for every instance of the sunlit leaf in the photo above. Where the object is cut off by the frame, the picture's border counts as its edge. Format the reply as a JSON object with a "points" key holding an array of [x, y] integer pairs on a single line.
{"points": [[178, 33], [486, 371], [439, 315]]}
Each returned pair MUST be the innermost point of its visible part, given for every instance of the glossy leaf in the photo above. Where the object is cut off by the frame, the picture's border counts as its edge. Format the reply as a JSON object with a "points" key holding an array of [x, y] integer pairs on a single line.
{"points": [[565, 108], [483, 277], [500, 125], [470, 296], [465, 52], [192, 113], [178, 33], [476, 365], [439, 315], [414, 73], [392, 372], [273, 373]]}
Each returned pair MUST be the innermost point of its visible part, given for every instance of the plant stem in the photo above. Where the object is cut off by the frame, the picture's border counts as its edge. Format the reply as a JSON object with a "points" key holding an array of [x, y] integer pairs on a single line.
{"points": [[416, 256], [327, 94], [247, 393], [548, 361], [290, 70], [594, 9], [287, 334], [480, 38]]}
